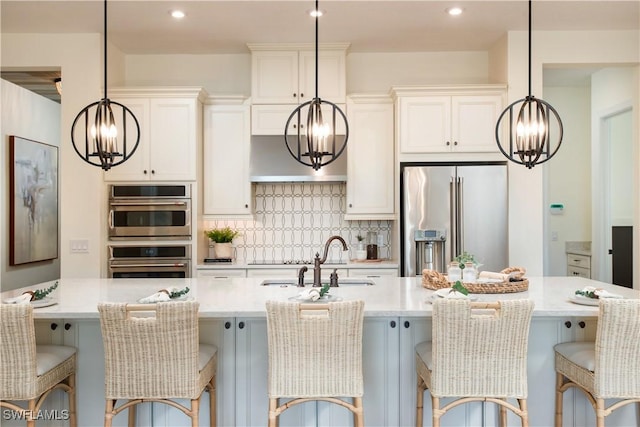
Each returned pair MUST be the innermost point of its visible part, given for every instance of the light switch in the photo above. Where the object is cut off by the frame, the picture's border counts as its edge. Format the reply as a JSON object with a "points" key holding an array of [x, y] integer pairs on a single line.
{"points": [[79, 246], [554, 236]]}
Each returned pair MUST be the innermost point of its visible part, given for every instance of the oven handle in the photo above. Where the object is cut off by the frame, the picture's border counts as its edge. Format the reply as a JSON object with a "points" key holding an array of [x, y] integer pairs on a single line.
{"points": [[179, 264], [111, 219], [148, 203]]}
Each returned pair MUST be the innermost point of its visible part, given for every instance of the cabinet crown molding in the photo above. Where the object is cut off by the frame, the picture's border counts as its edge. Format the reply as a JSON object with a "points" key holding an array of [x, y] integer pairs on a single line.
{"points": [[368, 98], [297, 46], [397, 91], [161, 92]]}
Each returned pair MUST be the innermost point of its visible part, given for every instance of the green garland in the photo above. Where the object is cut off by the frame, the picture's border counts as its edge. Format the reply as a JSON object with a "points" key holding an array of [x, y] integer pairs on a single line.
{"points": [[324, 290], [41, 293], [177, 294]]}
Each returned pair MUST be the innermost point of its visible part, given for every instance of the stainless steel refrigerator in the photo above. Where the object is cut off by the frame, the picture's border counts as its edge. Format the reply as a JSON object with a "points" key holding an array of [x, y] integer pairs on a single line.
{"points": [[453, 208]]}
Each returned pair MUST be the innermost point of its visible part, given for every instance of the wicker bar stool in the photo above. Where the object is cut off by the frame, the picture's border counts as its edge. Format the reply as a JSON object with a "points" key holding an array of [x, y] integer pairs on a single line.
{"points": [[315, 353], [156, 358], [475, 356], [607, 368], [29, 372]]}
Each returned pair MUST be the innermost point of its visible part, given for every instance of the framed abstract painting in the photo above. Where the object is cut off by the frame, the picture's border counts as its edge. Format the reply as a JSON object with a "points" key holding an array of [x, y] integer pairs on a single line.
{"points": [[33, 216]]}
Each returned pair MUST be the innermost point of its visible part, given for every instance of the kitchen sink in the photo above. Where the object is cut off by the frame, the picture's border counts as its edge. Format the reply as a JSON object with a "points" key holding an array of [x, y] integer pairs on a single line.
{"points": [[294, 282]]}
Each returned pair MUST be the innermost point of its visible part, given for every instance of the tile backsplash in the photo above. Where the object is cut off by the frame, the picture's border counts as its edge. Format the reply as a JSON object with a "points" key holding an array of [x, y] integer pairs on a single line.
{"points": [[292, 221]]}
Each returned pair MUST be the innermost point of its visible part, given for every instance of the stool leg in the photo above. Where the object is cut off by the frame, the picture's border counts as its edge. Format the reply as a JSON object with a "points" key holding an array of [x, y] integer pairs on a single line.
{"points": [[435, 407], [525, 412], [108, 412], [419, 402], [195, 412], [559, 395], [273, 404], [71, 395], [32, 411], [503, 416], [212, 402], [358, 415], [132, 411], [599, 412]]}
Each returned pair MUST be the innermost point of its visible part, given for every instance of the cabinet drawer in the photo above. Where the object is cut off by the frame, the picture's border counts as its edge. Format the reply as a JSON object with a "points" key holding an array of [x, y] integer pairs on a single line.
{"points": [[222, 274], [373, 272], [579, 272], [576, 260]]}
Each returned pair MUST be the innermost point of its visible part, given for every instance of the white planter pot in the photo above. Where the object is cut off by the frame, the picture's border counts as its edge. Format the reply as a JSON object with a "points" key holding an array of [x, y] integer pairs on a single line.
{"points": [[223, 250]]}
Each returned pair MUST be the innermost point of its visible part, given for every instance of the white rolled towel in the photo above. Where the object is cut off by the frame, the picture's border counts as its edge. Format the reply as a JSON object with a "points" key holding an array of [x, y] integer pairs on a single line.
{"points": [[311, 294], [493, 275], [450, 293], [606, 294], [160, 296], [20, 299]]}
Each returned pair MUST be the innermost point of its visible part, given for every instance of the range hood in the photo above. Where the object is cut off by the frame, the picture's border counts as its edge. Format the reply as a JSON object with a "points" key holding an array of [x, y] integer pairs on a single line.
{"points": [[270, 161]]}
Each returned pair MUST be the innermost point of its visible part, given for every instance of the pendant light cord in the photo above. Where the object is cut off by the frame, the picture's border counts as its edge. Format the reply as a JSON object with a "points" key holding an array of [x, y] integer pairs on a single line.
{"points": [[317, 12], [529, 47], [105, 49]]}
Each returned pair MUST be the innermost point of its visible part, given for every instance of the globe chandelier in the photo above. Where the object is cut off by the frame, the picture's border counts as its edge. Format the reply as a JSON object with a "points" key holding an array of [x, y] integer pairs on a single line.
{"points": [[317, 144], [529, 141], [99, 131]]}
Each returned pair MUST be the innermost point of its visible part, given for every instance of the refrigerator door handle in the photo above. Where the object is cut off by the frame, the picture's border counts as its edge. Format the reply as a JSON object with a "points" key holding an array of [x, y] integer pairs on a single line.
{"points": [[460, 215], [452, 219]]}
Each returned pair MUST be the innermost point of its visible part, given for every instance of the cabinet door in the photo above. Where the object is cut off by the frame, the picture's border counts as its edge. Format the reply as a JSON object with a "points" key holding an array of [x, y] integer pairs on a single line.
{"points": [[274, 77], [136, 168], [425, 124], [252, 400], [331, 75], [380, 372], [474, 121], [227, 189], [272, 119], [370, 162], [173, 138]]}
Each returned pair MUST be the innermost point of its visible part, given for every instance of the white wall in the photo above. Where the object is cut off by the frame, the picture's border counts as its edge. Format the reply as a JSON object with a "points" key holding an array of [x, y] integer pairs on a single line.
{"points": [[526, 195], [37, 118], [568, 177], [79, 56]]}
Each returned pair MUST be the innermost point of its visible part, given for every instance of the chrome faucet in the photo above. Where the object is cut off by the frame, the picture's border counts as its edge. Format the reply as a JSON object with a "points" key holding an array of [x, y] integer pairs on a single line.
{"points": [[317, 261]]}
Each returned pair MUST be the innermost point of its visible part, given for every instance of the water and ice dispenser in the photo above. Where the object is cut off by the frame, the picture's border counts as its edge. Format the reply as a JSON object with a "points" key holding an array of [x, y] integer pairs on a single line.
{"points": [[430, 250]]}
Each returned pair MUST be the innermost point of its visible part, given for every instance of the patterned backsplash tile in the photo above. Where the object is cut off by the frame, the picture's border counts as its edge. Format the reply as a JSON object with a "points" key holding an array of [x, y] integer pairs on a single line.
{"points": [[292, 221]]}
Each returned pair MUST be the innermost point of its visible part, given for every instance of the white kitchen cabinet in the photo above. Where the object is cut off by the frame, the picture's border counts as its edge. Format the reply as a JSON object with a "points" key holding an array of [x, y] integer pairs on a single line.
{"points": [[578, 265], [444, 120], [372, 273], [227, 187], [272, 119], [170, 132], [285, 74], [221, 273], [370, 160]]}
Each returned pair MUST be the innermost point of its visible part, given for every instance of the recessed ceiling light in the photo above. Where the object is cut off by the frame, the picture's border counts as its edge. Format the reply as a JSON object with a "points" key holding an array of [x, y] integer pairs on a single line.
{"points": [[316, 13], [178, 14], [454, 11]]}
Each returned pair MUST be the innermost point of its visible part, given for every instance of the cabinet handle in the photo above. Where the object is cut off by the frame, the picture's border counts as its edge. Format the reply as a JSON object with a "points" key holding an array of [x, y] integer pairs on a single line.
{"points": [[144, 171], [567, 324], [455, 142], [54, 326], [301, 125], [350, 205], [448, 143], [301, 95], [153, 171], [582, 324], [241, 325], [407, 324], [392, 323], [294, 95], [246, 205], [295, 126], [67, 326], [227, 325]]}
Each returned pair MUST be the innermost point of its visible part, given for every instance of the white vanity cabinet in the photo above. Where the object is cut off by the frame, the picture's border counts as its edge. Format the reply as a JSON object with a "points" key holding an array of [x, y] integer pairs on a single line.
{"points": [[170, 123], [448, 119], [578, 265], [370, 160], [227, 187]]}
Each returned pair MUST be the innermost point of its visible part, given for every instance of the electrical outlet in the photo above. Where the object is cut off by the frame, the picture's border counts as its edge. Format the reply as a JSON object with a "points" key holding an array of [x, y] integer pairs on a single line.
{"points": [[79, 246]]}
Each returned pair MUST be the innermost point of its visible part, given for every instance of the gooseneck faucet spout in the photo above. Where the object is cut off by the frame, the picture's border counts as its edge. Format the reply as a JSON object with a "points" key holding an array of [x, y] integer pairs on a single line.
{"points": [[318, 261]]}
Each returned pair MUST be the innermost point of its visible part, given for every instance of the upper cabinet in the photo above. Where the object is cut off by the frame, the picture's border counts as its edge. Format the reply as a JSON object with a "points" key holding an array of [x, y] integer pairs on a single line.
{"points": [[448, 119], [170, 131], [370, 160], [227, 187], [284, 76]]}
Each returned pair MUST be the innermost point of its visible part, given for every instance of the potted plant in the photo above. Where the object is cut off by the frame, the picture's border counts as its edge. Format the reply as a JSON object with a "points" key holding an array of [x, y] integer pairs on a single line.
{"points": [[221, 239]]}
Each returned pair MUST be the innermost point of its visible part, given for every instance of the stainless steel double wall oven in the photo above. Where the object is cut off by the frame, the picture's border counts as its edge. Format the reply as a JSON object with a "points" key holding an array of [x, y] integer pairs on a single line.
{"points": [[144, 223]]}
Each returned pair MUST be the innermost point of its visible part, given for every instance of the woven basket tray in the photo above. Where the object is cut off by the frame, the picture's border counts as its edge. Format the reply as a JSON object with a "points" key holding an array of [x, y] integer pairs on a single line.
{"points": [[432, 279]]}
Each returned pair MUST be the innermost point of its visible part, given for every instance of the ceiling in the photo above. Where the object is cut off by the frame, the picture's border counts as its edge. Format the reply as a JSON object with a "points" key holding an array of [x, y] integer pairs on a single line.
{"points": [[218, 27]]}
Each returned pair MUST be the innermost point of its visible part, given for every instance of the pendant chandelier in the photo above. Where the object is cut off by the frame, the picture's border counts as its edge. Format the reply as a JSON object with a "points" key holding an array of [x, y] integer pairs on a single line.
{"points": [[317, 144], [95, 133], [529, 140]]}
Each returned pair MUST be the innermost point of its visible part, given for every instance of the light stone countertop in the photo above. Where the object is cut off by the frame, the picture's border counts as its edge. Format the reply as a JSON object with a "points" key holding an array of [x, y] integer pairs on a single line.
{"points": [[244, 297]]}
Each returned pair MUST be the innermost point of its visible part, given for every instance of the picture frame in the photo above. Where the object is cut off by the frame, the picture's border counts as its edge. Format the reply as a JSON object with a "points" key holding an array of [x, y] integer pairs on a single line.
{"points": [[33, 206]]}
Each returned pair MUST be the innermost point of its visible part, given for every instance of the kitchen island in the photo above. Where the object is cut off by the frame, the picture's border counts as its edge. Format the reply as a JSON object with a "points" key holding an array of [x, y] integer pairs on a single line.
{"points": [[397, 316]]}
